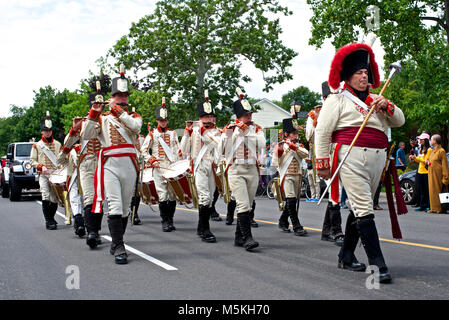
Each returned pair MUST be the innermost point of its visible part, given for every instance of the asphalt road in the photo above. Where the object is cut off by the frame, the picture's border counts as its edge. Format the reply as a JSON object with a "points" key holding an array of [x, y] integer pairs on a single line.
{"points": [[34, 261]]}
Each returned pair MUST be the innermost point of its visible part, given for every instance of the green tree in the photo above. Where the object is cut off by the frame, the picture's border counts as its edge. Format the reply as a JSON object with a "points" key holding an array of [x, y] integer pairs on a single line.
{"points": [[308, 98], [188, 46], [416, 32]]}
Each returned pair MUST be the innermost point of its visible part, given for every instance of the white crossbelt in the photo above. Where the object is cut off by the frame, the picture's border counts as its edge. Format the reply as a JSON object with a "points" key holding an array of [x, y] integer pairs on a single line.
{"points": [[50, 155], [167, 150], [357, 101]]}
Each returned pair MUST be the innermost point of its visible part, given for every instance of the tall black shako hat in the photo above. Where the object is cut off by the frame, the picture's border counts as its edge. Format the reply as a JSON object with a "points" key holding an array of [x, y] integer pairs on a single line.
{"points": [[120, 84], [206, 108], [96, 97], [46, 123], [241, 106], [162, 111], [325, 89]]}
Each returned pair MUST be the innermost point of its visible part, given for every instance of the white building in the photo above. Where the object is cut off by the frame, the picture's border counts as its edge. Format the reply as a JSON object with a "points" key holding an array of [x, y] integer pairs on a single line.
{"points": [[269, 114]]}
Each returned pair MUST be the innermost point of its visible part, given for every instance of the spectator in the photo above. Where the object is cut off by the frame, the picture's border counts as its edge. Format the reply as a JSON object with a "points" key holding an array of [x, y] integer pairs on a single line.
{"points": [[414, 150], [438, 173], [400, 157], [422, 182]]}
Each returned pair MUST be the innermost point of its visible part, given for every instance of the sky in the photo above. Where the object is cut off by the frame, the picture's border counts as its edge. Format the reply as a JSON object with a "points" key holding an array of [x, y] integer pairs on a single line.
{"points": [[56, 43]]}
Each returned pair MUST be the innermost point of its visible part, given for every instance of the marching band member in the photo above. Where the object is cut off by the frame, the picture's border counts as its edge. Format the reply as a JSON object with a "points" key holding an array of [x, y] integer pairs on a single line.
{"points": [[164, 147], [116, 171], [331, 230], [243, 144], [287, 156], [340, 119], [43, 159], [200, 142]]}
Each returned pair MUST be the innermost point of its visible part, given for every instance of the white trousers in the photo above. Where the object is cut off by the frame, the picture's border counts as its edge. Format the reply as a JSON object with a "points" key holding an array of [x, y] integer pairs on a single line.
{"points": [[87, 174], [46, 190], [243, 181], [119, 183], [292, 185], [205, 183], [315, 189], [360, 175], [76, 200]]}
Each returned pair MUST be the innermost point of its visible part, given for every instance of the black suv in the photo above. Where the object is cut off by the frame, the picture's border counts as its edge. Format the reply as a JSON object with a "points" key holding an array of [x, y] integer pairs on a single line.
{"points": [[18, 173]]}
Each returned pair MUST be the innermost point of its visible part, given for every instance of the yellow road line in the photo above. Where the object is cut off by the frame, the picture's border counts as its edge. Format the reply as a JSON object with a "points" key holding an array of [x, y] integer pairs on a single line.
{"points": [[319, 230]]}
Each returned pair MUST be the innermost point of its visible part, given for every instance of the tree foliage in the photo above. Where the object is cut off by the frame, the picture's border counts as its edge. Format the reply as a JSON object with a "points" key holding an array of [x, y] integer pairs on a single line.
{"points": [[187, 46]]}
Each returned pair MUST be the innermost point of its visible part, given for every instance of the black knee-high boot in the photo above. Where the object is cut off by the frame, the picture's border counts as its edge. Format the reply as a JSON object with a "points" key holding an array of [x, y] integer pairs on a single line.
{"points": [[116, 229], [164, 211], [298, 229], [245, 227], [254, 224], [346, 257], [230, 214], [367, 230], [171, 213], [204, 216]]}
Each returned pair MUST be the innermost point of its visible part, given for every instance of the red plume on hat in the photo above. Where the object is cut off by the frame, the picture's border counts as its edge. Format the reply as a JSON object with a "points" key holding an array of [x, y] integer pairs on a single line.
{"points": [[337, 66]]}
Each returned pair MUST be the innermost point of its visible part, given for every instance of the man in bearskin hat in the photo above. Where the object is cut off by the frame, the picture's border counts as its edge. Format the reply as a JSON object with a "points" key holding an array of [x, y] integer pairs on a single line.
{"points": [[164, 147], [117, 169], [200, 142], [243, 145], [43, 158], [287, 156], [331, 230], [340, 119]]}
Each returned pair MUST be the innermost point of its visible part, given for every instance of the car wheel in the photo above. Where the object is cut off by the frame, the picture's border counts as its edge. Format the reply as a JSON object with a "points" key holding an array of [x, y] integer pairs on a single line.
{"points": [[5, 189], [408, 190], [305, 189], [15, 190]]}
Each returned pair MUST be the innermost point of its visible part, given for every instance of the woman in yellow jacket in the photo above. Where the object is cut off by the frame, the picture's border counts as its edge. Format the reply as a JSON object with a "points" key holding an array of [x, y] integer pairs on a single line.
{"points": [[422, 182]]}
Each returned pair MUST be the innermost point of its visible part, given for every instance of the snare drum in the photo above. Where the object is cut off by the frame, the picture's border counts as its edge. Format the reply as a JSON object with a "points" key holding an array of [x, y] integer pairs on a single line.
{"points": [[58, 180], [148, 190], [180, 181]]}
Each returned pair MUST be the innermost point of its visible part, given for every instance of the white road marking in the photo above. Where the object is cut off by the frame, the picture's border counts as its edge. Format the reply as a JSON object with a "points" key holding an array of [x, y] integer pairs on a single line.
{"points": [[133, 250]]}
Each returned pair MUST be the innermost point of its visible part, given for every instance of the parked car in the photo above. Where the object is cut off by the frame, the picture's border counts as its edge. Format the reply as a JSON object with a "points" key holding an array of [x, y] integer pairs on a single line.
{"points": [[407, 182], [18, 174]]}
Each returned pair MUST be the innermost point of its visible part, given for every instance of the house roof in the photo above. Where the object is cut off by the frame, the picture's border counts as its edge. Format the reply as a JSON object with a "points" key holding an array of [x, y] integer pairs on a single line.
{"points": [[274, 105]]}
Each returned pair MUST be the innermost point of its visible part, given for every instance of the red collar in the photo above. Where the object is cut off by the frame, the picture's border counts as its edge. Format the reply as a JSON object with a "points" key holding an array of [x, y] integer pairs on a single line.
{"points": [[161, 129], [46, 141], [368, 99]]}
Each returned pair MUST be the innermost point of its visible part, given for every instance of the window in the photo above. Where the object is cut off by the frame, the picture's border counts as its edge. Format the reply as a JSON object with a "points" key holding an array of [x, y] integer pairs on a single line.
{"points": [[23, 150]]}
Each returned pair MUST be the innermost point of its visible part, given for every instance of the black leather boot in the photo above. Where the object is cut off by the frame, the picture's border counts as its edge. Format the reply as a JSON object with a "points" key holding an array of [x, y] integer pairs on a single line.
{"points": [[53, 207], [370, 240], [214, 214], [298, 229], [254, 224], [164, 211], [204, 216], [171, 214], [115, 224], [245, 228], [49, 225], [79, 225], [135, 202], [326, 230], [98, 219], [283, 221], [335, 221], [91, 225], [230, 214], [346, 257], [238, 240]]}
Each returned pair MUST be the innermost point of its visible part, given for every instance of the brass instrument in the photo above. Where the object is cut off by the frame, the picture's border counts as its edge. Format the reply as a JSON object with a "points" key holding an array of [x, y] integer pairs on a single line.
{"points": [[278, 193], [191, 180], [68, 211], [225, 182]]}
